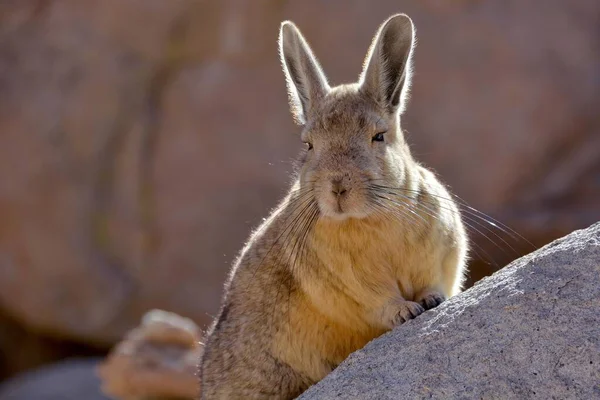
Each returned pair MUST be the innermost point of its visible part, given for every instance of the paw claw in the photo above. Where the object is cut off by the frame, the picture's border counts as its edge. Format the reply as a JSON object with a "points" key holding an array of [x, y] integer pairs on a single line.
{"points": [[432, 300], [408, 311]]}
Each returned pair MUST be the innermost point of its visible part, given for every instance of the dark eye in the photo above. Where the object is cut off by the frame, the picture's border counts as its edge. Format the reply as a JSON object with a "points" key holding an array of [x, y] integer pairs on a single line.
{"points": [[309, 145], [378, 137]]}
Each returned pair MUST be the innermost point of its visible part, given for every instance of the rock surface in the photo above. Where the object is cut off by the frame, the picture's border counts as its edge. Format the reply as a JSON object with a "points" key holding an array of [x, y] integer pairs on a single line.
{"points": [[143, 139], [532, 330], [66, 380]]}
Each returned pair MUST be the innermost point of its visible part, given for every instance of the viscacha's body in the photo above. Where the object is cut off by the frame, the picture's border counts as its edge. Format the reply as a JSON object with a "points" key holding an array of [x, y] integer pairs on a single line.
{"points": [[365, 240]]}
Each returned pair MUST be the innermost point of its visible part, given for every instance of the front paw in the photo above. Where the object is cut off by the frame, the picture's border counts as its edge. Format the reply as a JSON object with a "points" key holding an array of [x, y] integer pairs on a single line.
{"points": [[431, 300], [407, 310]]}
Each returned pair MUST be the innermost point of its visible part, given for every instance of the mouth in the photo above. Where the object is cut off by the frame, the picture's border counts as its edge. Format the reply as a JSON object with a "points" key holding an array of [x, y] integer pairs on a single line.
{"points": [[337, 215], [341, 210], [339, 199]]}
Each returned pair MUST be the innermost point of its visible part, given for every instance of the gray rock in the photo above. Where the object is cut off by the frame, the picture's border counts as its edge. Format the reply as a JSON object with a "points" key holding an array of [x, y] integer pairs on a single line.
{"points": [[530, 331], [67, 380]]}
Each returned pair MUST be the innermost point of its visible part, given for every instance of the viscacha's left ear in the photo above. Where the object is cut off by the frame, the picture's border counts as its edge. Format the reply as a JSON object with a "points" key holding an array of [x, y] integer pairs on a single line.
{"points": [[386, 72]]}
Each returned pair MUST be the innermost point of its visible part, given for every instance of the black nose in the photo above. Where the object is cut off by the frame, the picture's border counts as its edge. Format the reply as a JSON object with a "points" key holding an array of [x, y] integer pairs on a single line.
{"points": [[337, 187]]}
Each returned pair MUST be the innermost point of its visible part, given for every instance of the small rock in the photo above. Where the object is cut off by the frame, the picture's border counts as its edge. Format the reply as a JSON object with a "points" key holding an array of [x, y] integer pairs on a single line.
{"points": [[158, 359]]}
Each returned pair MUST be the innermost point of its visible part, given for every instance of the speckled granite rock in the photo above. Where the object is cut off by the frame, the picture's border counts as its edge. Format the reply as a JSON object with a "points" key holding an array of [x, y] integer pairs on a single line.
{"points": [[532, 330]]}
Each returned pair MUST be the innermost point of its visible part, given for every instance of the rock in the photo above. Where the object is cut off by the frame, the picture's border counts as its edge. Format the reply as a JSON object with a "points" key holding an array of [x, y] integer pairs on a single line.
{"points": [[67, 380], [158, 359], [143, 139], [531, 330]]}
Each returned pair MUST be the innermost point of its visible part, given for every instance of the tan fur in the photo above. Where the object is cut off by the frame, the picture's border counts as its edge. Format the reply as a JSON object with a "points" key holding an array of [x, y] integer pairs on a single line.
{"points": [[341, 260]]}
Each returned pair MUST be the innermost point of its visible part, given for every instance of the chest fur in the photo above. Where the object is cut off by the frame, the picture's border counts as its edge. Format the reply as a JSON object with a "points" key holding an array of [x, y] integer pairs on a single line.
{"points": [[352, 271], [377, 256]]}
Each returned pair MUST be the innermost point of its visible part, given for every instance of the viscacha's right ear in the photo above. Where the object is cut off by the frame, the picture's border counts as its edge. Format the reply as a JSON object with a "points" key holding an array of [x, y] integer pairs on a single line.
{"points": [[306, 83]]}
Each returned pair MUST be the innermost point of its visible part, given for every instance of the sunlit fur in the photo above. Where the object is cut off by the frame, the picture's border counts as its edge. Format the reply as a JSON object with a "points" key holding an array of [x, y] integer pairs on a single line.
{"points": [[327, 272]]}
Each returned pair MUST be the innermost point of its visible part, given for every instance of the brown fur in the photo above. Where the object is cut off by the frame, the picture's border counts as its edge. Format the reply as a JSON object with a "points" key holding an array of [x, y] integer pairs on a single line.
{"points": [[365, 240]]}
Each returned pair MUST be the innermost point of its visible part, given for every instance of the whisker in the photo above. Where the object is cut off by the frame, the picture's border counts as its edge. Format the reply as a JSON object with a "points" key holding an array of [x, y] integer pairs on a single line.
{"points": [[469, 209], [297, 205], [430, 212], [472, 220], [304, 226], [400, 212], [408, 209], [296, 228]]}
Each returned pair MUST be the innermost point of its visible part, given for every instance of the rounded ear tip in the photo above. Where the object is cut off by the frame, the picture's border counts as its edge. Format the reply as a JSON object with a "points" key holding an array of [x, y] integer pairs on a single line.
{"points": [[288, 27], [400, 21]]}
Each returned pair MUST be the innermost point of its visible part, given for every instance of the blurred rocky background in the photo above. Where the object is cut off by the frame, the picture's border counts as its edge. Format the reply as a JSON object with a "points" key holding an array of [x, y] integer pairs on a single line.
{"points": [[142, 140]]}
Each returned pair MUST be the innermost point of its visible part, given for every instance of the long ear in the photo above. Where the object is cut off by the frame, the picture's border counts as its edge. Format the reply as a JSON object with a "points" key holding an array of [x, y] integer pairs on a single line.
{"points": [[306, 83], [386, 71]]}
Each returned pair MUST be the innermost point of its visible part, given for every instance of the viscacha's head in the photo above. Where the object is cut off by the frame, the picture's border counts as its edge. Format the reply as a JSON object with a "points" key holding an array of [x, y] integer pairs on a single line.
{"points": [[354, 143]]}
